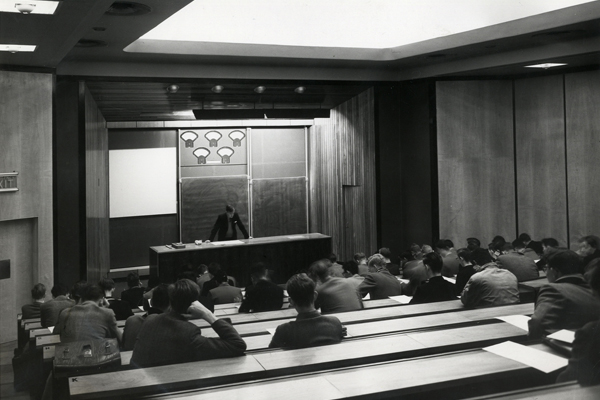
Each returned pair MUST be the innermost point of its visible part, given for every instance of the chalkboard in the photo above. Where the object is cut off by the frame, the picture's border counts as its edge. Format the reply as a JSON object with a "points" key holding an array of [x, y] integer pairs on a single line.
{"points": [[203, 199], [279, 207]]}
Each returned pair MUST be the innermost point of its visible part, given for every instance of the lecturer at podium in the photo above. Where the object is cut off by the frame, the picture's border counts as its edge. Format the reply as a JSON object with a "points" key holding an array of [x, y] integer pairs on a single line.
{"points": [[226, 226]]}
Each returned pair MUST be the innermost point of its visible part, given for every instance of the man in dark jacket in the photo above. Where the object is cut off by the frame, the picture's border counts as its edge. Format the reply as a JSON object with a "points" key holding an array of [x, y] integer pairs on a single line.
{"points": [[436, 288], [50, 310], [262, 295], [225, 227]]}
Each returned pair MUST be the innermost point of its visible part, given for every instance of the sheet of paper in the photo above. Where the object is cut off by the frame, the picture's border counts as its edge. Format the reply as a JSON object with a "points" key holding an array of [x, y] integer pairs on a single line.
{"points": [[563, 335], [296, 237], [51, 329], [227, 243], [520, 321], [451, 280], [401, 299], [537, 359], [367, 297], [403, 280]]}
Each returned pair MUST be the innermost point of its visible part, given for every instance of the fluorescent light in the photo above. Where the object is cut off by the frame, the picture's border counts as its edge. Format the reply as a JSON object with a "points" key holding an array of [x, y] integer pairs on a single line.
{"points": [[40, 7], [17, 48], [545, 65]]}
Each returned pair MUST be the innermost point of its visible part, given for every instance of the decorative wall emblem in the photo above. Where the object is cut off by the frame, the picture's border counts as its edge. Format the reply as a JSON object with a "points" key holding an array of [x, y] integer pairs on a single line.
{"points": [[189, 137], [201, 153], [225, 153], [213, 138], [237, 137]]}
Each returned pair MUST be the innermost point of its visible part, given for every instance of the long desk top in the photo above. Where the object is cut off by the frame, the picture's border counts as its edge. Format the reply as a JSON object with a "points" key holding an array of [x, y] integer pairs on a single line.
{"points": [[535, 283], [279, 362], [241, 242], [558, 391]]}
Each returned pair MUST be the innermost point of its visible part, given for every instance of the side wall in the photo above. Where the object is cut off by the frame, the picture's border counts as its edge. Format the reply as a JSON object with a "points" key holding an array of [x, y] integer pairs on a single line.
{"points": [[26, 223]]}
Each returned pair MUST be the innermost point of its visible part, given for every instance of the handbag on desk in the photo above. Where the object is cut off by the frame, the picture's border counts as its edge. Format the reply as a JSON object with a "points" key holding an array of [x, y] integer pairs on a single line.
{"points": [[86, 356]]}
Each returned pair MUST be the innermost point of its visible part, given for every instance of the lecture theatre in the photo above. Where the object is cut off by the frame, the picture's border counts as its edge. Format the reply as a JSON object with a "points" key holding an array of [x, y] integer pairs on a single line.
{"points": [[331, 128]]}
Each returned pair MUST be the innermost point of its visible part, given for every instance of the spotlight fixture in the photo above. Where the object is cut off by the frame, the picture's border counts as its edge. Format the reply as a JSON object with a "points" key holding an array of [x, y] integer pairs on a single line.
{"points": [[260, 89], [172, 88], [25, 8], [300, 89], [217, 88]]}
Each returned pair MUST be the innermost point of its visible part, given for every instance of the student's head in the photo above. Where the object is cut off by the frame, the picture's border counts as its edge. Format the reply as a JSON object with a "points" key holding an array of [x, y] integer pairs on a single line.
{"points": [[376, 261], [319, 270], [351, 267], [416, 251], [561, 263], [59, 290], [449, 243], [182, 294], [229, 210], [38, 292], [77, 290], [464, 256], [213, 268], [202, 268], [93, 293], [506, 248], [385, 252], [106, 284], [160, 297], [301, 290], [360, 258], [258, 271], [473, 243], [481, 257], [441, 246], [332, 257], [549, 243], [221, 276], [588, 245], [525, 238], [434, 262], [427, 249], [518, 244], [133, 280]]}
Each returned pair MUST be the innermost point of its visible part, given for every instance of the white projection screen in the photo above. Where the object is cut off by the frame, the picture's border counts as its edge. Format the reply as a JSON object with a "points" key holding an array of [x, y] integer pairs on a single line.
{"points": [[143, 182]]}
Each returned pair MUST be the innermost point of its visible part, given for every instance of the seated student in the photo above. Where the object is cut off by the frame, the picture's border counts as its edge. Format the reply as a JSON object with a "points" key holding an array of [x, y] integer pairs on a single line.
{"points": [[414, 270], [387, 255], [225, 293], [380, 284], [334, 294], [212, 283], [169, 338], [361, 262], [310, 327], [567, 301], [121, 308], [133, 325], [490, 285], [436, 288], [584, 363], [88, 320], [531, 244], [520, 248], [335, 268], [589, 249], [522, 267], [134, 295], [205, 276], [351, 273], [465, 271], [32, 310], [50, 310], [449, 258], [262, 295]]}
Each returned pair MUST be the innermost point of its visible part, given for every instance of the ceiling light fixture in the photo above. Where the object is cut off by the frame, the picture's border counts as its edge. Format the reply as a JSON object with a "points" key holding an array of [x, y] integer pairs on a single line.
{"points": [[545, 65], [260, 89], [17, 48], [217, 88], [172, 88], [26, 7], [300, 89]]}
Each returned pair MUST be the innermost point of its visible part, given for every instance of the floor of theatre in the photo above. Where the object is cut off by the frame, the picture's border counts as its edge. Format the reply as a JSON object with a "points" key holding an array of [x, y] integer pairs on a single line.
{"points": [[6, 374]]}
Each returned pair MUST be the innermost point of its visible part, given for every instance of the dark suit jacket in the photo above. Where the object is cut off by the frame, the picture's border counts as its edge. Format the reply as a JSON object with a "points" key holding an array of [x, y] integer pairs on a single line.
{"points": [[121, 308], [86, 321], [309, 329], [584, 363], [264, 296], [535, 246], [393, 268], [50, 310], [134, 296], [133, 325], [221, 227], [169, 338], [337, 295], [524, 268], [435, 289], [32, 310], [380, 285], [567, 303]]}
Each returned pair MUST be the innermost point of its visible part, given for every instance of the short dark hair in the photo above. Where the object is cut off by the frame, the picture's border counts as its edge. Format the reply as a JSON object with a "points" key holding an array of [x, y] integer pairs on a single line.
{"points": [[106, 284], [332, 257], [481, 257], [449, 243], [38, 291], [518, 244], [507, 247], [92, 293], [550, 242], [229, 208], [359, 256], [213, 268], [59, 290], [497, 245], [258, 270], [301, 290], [351, 266], [182, 294], [377, 261], [220, 276], [474, 240], [384, 251], [78, 289], [319, 269], [433, 261], [441, 244], [566, 262], [523, 237], [465, 254], [160, 296], [133, 279], [592, 240]]}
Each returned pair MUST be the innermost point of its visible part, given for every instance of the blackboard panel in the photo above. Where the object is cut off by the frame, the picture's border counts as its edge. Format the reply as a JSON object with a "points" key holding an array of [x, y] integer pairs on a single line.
{"points": [[203, 199], [279, 207]]}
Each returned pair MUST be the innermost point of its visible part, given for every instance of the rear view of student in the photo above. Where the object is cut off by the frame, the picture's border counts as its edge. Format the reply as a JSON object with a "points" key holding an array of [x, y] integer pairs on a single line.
{"points": [[310, 327], [32, 310], [50, 310]]}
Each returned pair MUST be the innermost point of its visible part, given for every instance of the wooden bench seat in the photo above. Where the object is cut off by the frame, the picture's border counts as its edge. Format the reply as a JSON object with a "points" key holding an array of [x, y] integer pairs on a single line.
{"points": [[284, 362]]}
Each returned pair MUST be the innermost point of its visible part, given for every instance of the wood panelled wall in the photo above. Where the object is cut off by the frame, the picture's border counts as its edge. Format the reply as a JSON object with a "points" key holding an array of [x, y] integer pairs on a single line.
{"points": [[342, 177], [96, 191], [546, 184], [26, 224]]}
